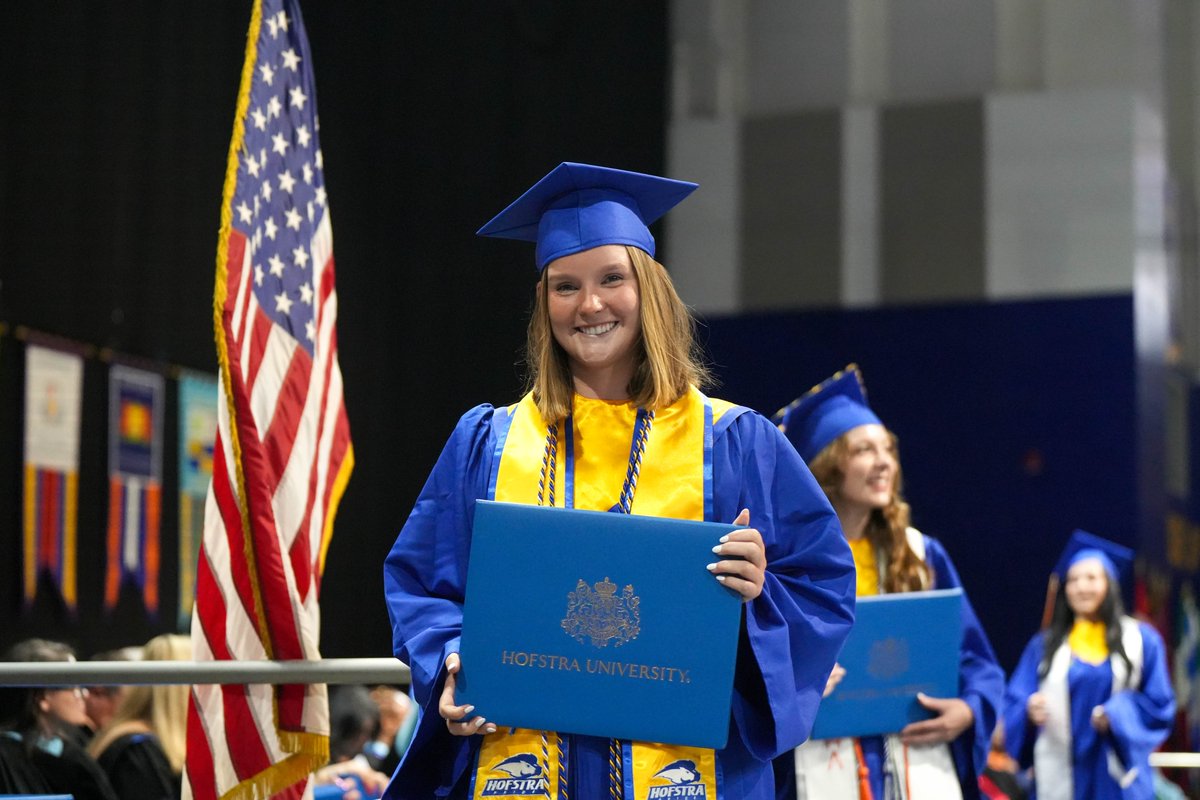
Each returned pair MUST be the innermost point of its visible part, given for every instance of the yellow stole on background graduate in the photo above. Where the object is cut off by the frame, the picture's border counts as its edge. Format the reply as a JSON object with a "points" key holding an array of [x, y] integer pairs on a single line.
{"points": [[591, 458]]}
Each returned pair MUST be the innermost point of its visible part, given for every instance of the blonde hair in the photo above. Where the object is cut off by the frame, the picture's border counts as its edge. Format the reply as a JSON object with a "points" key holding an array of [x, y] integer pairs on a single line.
{"points": [[668, 359], [161, 710], [887, 527]]}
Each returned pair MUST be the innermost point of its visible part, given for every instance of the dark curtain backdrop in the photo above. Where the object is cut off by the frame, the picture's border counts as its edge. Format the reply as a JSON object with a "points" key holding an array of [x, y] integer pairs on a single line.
{"points": [[115, 121]]}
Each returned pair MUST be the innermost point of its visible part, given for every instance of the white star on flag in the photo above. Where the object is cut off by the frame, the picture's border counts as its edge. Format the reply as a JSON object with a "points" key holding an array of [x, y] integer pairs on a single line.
{"points": [[300, 256], [271, 227], [293, 219], [268, 74], [298, 97], [244, 212], [276, 266], [286, 181], [290, 59], [282, 303], [280, 144], [306, 294]]}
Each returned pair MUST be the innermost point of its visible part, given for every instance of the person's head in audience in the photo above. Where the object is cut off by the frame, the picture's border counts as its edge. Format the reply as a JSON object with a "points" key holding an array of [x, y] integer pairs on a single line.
{"points": [[160, 709], [353, 720], [103, 701], [47, 711]]}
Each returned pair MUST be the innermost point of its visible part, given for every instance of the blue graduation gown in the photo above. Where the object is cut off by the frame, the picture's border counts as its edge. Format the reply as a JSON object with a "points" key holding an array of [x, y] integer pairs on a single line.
{"points": [[1140, 718], [791, 635], [980, 685]]}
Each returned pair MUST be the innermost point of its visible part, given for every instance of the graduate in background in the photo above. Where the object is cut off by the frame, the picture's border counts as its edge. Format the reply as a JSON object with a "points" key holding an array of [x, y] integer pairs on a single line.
{"points": [[854, 458], [615, 421], [1091, 697]]}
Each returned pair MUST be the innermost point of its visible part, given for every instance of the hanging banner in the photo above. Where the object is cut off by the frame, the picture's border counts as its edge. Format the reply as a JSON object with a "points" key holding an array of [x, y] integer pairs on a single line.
{"points": [[135, 409], [53, 396], [197, 434]]}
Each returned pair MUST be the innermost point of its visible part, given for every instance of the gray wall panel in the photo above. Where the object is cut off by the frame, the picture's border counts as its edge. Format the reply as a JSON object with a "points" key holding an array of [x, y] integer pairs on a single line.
{"points": [[933, 202], [791, 210]]}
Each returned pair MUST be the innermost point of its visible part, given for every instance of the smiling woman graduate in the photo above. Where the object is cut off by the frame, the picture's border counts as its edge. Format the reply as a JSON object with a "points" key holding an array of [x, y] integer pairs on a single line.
{"points": [[614, 420], [1091, 697], [855, 459]]}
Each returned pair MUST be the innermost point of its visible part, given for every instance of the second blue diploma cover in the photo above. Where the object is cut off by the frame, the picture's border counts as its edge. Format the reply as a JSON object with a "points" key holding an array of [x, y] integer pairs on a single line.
{"points": [[901, 644], [597, 623]]}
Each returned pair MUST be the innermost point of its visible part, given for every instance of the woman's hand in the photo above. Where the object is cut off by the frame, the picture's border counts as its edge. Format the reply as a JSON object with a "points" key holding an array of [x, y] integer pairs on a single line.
{"points": [[953, 717], [835, 678], [1035, 709], [745, 566], [456, 715], [1100, 720]]}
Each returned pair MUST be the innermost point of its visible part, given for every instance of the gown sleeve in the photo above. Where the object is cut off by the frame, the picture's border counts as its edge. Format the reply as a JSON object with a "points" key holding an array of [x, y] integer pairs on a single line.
{"points": [[424, 580], [1141, 718], [980, 679], [794, 630], [1019, 733]]}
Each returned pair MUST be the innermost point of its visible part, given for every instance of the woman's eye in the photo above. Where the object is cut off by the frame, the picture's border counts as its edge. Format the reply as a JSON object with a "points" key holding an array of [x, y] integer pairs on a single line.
{"points": [[614, 278]]}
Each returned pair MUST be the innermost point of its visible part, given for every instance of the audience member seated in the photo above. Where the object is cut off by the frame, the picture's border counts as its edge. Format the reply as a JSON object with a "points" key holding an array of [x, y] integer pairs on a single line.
{"points": [[353, 723], [103, 701], [41, 731], [142, 748], [396, 724]]}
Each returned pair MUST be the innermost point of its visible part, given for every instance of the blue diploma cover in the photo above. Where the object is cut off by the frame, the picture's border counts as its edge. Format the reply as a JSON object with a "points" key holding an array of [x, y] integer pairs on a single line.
{"points": [[901, 644], [598, 623]]}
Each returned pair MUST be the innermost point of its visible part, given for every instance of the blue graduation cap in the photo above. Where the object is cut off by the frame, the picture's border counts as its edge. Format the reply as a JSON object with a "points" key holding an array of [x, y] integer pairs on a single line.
{"points": [[1117, 560], [825, 412], [580, 206]]}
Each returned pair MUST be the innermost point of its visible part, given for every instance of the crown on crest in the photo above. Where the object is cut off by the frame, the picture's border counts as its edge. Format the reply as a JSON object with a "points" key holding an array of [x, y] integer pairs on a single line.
{"points": [[605, 587]]}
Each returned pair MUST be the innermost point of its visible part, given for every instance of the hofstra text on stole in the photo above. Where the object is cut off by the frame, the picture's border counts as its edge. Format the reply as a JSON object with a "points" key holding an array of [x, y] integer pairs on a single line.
{"points": [[620, 669]]}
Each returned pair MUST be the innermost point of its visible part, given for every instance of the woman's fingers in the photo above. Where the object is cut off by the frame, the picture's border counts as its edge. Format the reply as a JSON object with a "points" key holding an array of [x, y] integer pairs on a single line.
{"points": [[743, 563], [458, 719]]}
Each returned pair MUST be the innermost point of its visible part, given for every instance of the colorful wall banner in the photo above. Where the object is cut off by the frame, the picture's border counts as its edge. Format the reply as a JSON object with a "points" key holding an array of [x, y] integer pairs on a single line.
{"points": [[135, 410], [197, 434], [53, 398]]}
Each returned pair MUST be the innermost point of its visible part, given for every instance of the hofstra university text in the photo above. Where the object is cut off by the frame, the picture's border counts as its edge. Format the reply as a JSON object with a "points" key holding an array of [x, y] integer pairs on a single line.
{"points": [[621, 669]]}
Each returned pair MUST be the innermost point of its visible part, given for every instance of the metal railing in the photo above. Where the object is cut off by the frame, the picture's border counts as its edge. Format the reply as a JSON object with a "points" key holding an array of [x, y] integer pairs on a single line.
{"points": [[117, 673], [328, 670]]}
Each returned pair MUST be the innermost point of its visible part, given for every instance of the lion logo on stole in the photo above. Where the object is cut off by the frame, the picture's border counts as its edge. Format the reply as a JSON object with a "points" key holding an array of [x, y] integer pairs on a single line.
{"points": [[598, 613]]}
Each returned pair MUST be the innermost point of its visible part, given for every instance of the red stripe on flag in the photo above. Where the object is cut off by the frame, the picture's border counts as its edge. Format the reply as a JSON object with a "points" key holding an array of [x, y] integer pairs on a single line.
{"points": [[233, 267], [281, 623], [337, 454], [231, 521], [260, 331], [301, 550], [201, 774], [250, 755], [289, 409]]}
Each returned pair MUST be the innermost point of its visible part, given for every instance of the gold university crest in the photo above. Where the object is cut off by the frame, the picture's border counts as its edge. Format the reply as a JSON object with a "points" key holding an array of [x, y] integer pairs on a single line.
{"points": [[601, 615]]}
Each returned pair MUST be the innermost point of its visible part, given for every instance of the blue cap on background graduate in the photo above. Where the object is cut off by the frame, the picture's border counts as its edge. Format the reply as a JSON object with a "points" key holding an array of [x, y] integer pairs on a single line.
{"points": [[1116, 559], [576, 207], [823, 413]]}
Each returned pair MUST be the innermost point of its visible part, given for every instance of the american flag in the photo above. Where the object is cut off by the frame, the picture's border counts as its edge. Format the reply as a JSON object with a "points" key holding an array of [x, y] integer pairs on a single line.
{"points": [[282, 455]]}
